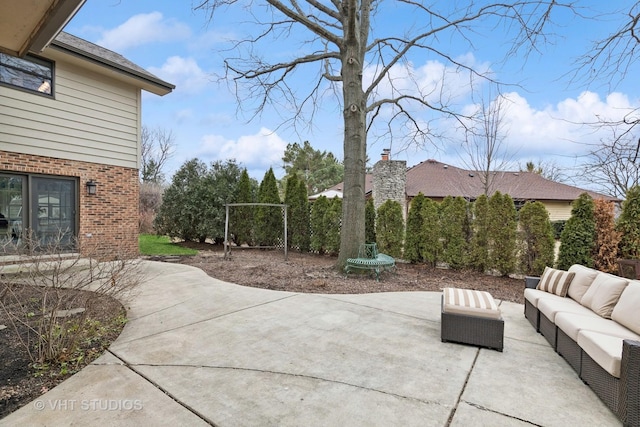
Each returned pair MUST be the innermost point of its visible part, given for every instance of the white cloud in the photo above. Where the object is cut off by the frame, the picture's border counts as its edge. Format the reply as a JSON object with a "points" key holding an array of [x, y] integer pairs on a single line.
{"points": [[434, 81], [143, 29], [560, 130], [185, 73], [263, 149]]}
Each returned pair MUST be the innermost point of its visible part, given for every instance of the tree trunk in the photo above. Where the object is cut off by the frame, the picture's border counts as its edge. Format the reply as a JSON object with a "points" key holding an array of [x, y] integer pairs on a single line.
{"points": [[355, 140]]}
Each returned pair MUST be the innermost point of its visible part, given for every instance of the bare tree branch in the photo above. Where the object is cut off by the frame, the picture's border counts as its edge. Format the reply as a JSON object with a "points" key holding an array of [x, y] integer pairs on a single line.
{"points": [[338, 44]]}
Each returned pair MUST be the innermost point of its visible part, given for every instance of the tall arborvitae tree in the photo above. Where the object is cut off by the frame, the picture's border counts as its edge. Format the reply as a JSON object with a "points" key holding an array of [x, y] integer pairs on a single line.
{"points": [[431, 231], [503, 233], [301, 238], [268, 219], [479, 252], [537, 241], [290, 199], [629, 225], [318, 231], [414, 238], [241, 217], [578, 236], [605, 254], [370, 222], [390, 228], [332, 221], [455, 231]]}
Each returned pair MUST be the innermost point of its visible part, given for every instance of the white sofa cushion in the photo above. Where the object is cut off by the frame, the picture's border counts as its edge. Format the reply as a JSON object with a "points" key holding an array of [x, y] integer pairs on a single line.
{"points": [[552, 306], [572, 323], [582, 279], [605, 350], [603, 294], [555, 281], [627, 310], [534, 295], [470, 302]]}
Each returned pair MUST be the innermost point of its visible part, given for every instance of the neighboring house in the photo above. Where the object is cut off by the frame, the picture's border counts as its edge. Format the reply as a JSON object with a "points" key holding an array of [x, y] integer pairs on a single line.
{"points": [[70, 120], [392, 180]]}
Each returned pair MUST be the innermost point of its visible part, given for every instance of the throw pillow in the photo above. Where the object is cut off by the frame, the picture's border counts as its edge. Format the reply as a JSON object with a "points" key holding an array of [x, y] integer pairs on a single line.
{"points": [[581, 281], [603, 294], [555, 281], [626, 310]]}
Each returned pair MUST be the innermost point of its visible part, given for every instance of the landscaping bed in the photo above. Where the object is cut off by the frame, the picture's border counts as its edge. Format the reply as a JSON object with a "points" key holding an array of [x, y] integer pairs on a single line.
{"points": [[317, 274]]}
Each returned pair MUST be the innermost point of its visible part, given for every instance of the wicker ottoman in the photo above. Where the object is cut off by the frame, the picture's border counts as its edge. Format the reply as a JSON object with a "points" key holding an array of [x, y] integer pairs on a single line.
{"points": [[471, 317]]}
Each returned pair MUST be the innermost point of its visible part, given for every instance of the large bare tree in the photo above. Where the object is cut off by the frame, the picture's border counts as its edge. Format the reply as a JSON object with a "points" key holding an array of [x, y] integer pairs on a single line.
{"points": [[484, 150], [355, 48], [614, 164], [156, 148]]}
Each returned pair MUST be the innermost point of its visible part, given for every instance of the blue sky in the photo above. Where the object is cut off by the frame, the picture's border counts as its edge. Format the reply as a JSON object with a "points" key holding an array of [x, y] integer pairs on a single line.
{"points": [[180, 46]]}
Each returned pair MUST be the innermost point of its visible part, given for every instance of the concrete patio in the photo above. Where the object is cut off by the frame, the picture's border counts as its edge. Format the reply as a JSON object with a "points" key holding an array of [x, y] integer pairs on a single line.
{"points": [[198, 351]]}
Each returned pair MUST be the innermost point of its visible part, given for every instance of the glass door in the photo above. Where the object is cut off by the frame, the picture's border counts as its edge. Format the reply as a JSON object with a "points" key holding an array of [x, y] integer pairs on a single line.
{"points": [[12, 188], [53, 211]]}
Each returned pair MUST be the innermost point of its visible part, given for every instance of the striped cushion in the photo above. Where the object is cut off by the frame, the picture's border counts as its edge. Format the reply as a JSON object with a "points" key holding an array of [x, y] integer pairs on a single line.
{"points": [[555, 281], [470, 302]]}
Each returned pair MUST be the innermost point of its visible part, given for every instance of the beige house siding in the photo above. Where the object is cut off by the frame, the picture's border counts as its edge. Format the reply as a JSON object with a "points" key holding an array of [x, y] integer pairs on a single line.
{"points": [[558, 210], [91, 118]]}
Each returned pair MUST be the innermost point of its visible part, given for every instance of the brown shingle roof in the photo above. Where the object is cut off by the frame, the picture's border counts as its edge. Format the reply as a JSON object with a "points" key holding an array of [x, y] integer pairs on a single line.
{"points": [[437, 180], [92, 52]]}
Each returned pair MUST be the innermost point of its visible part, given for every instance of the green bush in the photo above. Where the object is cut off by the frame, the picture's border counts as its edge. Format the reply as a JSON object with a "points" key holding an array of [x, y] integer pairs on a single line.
{"points": [[454, 222], [432, 248], [269, 225], [302, 237], [369, 222], [241, 217], [537, 239], [479, 252], [577, 240], [297, 213], [332, 220], [414, 235], [291, 200], [390, 228], [184, 204], [629, 225], [221, 183], [558, 226], [502, 233], [319, 209]]}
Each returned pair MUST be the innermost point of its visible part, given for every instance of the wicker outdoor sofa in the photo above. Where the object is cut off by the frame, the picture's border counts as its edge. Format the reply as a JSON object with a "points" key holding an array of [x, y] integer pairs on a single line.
{"points": [[592, 319]]}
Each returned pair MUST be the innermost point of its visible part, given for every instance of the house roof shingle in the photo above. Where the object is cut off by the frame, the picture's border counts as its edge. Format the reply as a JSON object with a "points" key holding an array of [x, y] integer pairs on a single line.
{"points": [[435, 179], [438, 180], [105, 57]]}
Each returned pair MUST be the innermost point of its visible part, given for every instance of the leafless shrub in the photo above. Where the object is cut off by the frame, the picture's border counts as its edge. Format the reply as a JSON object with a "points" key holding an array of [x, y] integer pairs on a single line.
{"points": [[150, 201], [47, 291]]}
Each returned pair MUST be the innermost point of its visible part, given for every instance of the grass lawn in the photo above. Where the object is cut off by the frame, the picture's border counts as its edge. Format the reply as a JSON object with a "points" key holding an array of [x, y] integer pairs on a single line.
{"points": [[150, 244]]}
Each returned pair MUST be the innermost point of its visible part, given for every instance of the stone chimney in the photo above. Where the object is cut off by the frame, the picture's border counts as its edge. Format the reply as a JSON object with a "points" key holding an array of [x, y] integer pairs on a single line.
{"points": [[389, 181]]}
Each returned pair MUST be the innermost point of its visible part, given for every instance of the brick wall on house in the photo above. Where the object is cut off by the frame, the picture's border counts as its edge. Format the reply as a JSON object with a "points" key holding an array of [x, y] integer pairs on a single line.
{"points": [[389, 182], [108, 221]]}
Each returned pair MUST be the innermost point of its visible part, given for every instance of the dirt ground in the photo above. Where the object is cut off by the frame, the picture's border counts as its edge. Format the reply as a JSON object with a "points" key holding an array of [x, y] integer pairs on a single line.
{"points": [[21, 383], [317, 274]]}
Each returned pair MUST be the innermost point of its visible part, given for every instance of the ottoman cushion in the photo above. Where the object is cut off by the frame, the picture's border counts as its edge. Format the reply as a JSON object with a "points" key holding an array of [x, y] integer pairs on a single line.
{"points": [[470, 302]]}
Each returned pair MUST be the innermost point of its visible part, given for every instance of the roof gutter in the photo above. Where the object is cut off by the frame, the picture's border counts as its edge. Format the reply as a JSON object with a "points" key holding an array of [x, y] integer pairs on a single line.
{"points": [[161, 87]]}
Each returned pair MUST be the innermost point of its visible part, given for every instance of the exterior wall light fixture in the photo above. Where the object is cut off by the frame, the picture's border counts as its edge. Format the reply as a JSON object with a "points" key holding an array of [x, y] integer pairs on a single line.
{"points": [[92, 187]]}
